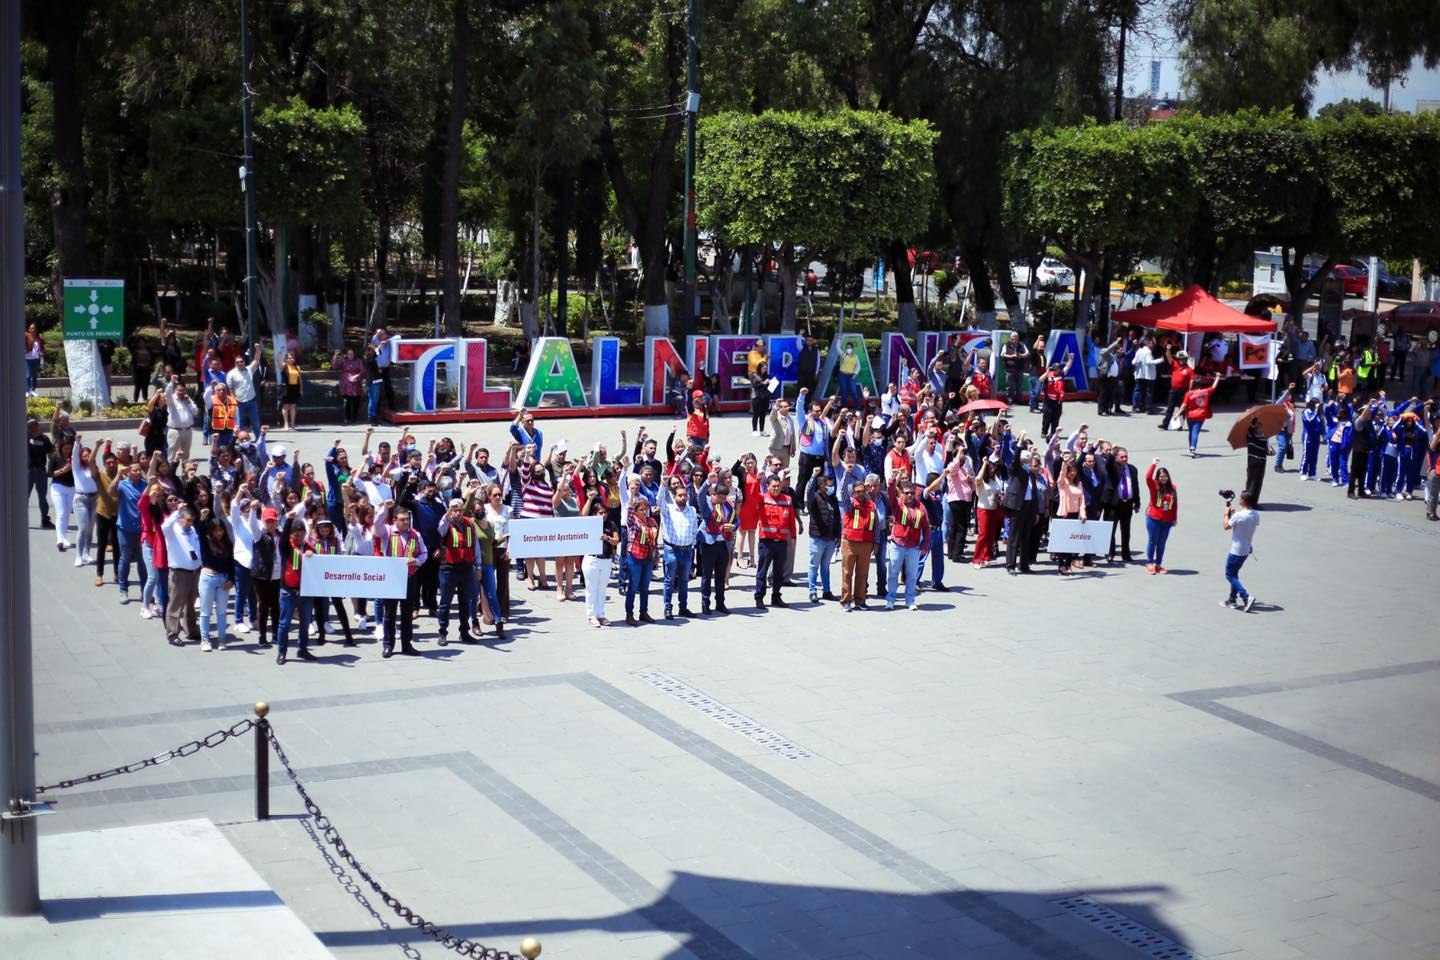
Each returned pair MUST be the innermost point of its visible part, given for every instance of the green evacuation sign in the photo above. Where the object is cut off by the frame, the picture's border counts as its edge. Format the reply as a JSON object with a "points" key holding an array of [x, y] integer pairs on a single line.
{"points": [[94, 309]]}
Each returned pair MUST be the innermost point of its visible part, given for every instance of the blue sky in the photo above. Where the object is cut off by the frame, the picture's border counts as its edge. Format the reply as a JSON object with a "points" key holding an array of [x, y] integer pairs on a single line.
{"points": [[1329, 87]]}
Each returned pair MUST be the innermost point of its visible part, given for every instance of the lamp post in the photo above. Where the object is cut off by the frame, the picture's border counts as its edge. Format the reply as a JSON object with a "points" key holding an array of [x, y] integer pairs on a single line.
{"points": [[247, 172], [692, 107], [19, 854]]}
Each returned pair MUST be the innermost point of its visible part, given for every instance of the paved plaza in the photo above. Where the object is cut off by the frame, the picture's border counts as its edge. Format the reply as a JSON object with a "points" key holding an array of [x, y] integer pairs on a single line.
{"points": [[1107, 766]]}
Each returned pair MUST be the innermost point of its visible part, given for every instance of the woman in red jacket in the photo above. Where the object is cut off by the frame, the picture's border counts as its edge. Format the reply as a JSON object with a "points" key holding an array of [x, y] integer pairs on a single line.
{"points": [[1161, 516]]}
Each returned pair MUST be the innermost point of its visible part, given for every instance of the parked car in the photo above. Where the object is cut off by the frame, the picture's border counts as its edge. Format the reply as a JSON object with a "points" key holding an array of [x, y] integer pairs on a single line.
{"points": [[1389, 285], [1050, 273], [1353, 279], [1420, 318]]}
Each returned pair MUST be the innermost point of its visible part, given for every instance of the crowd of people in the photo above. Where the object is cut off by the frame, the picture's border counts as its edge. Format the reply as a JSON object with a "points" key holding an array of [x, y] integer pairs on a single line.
{"points": [[925, 477]]}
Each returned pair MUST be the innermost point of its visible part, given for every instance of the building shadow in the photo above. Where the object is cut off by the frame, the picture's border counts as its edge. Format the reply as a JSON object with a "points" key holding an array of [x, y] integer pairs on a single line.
{"points": [[721, 918]]}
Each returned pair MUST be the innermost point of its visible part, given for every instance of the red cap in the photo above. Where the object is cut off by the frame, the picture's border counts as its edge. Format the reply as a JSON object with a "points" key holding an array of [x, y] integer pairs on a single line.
{"points": [[697, 393], [269, 513]]}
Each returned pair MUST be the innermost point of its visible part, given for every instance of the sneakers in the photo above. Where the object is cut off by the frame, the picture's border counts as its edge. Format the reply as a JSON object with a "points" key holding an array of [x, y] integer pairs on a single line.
{"points": [[379, 632], [846, 607], [79, 560], [1249, 602], [363, 625], [913, 608], [146, 613], [1227, 603], [206, 646], [242, 628], [125, 596], [814, 597]]}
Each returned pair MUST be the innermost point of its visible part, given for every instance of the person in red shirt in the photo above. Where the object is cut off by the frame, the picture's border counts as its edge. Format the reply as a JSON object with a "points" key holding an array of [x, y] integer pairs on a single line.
{"points": [[778, 528], [1198, 409], [1161, 516], [1052, 389], [697, 425], [1182, 376], [909, 529]]}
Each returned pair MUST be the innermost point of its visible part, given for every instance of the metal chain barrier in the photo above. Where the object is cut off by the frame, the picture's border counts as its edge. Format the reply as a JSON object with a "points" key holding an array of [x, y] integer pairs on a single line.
{"points": [[466, 948], [351, 887], [184, 750]]}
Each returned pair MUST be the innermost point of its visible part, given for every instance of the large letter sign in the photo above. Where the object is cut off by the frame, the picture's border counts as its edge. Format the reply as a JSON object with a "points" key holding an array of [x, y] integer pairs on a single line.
{"points": [[552, 370], [553, 375]]}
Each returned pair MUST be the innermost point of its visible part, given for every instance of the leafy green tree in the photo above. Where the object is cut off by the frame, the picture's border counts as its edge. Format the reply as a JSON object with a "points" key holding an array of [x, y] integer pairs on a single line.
{"points": [[813, 186]]}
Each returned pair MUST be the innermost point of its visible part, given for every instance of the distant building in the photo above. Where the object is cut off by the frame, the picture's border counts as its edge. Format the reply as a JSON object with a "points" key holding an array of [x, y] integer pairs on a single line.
{"points": [[1427, 106]]}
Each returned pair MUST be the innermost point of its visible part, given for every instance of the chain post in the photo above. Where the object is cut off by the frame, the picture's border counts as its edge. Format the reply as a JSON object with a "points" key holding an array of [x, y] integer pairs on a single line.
{"points": [[262, 761]]}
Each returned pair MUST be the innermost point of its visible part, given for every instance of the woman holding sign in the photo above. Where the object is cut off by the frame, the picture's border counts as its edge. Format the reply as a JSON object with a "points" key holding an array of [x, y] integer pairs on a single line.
{"points": [[596, 569]]}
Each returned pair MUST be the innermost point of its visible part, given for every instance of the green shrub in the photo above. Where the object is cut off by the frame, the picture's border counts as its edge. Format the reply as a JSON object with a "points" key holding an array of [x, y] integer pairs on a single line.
{"points": [[42, 408]]}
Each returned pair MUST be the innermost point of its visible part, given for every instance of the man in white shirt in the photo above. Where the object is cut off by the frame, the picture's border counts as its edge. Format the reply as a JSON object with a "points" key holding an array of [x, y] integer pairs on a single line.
{"points": [[182, 551], [1144, 363], [182, 415], [241, 381], [383, 355], [678, 528]]}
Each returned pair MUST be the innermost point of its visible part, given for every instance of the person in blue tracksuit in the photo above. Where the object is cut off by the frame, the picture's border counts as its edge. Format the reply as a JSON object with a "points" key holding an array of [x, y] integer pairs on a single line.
{"points": [[1312, 429], [1410, 446], [1337, 435]]}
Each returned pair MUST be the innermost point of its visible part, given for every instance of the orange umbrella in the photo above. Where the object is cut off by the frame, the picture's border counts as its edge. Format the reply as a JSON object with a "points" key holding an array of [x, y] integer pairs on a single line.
{"points": [[1272, 418]]}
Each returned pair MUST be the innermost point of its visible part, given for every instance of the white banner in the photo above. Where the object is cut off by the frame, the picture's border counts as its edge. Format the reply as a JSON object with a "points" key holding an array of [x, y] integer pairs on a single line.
{"points": [[337, 575], [1080, 536], [556, 537], [1255, 351]]}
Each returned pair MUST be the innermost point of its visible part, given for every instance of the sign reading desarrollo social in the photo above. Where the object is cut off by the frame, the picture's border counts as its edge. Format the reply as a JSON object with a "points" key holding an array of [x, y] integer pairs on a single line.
{"points": [[555, 537], [335, 575], [1080, 536]]}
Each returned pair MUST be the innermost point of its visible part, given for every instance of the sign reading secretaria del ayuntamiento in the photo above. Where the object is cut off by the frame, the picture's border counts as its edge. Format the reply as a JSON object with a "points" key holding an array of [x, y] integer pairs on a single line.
{"points": [[340, 575], [555, 537], [554, 378]]}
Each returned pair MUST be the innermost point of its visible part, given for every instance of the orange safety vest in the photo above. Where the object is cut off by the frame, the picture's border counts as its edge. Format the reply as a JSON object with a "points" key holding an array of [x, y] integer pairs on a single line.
{"points": [[861, 527], [222, 413], [460, 547], [775, 518]]}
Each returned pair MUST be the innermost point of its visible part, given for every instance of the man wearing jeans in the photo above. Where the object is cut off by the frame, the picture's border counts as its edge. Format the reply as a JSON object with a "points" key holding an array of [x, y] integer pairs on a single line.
{"points": [[37, 474], [1241, 524], [127, 502], [909, 530], [678, 527], [241, 382]]}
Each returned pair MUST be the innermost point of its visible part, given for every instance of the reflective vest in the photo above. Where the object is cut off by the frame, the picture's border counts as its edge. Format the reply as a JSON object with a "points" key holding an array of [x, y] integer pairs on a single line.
{"points": [[323, 546], [460, 544], [861, 525], [907, 525], [291, 575], [222, 413], [1367, 363], [404, 545], [721, 513], [642, 538], [776, 518]]}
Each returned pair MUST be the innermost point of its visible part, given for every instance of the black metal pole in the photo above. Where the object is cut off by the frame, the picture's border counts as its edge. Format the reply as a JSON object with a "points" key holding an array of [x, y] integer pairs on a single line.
{"points": [[262, 761], [19, 855], [247, 174]]}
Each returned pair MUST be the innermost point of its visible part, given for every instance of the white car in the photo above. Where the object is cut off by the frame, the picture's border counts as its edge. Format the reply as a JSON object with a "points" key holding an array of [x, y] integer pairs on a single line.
{"points": [[1051, 272]]}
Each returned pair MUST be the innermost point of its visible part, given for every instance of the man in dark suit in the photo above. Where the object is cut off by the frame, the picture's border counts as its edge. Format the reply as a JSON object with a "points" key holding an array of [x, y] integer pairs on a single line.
{"points": [[1024, 499], [1094, 481], [807, 367], [1124, 503]]}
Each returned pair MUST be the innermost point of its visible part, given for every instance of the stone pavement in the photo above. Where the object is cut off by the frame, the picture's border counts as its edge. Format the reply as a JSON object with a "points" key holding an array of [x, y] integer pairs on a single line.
{"points": [[1105, 766]]}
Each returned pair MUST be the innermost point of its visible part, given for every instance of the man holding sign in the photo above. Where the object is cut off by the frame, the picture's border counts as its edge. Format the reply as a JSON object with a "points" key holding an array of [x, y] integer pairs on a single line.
{"points": [[399, 540]]}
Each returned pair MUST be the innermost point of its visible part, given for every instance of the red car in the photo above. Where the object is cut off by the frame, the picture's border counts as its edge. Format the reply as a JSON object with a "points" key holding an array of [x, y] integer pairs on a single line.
{"points": [[1354, 279], [1419, 318]]}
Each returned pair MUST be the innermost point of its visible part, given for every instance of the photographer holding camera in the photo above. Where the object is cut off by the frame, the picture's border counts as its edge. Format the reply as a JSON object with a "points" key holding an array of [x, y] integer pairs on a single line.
{"points": [[1241, 524]]}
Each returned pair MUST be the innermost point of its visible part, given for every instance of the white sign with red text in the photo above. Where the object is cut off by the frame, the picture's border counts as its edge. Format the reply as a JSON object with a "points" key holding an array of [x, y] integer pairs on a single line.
{"points": [[1080, 536], [338, 575], [556, 537]]}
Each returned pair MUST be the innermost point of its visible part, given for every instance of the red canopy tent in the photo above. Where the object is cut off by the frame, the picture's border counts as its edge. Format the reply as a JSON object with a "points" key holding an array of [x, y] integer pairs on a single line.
{"points": [[1194, 311]]}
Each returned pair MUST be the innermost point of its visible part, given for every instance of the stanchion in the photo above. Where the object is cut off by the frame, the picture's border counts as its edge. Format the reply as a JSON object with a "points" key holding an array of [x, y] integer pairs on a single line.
{"points": [[262, 761], [530, 948]]}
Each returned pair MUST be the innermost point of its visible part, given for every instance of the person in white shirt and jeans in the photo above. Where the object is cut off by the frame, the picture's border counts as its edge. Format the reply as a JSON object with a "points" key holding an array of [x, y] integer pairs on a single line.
{"points": [[241, 381], [182, 549], [183, 412], [1242, 524]]}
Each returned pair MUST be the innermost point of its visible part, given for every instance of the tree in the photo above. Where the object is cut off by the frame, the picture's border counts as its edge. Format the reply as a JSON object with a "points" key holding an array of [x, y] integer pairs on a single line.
{"points": [[557, 96], [1343, 108], [1384, 175], [833, 184], [1096, 189], [450, 179], [1252, 53]]}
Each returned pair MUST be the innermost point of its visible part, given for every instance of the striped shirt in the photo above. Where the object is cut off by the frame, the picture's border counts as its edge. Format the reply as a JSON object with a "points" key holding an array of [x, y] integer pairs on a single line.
{"points": [[537, 498]]}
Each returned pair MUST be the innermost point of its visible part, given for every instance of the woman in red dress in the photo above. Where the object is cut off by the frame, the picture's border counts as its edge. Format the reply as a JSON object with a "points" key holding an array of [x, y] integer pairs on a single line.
{"points": [[747, 475]]}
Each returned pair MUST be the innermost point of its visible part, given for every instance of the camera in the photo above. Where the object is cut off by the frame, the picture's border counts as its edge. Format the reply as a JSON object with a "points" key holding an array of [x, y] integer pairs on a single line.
{"points": [[1228, 495]]}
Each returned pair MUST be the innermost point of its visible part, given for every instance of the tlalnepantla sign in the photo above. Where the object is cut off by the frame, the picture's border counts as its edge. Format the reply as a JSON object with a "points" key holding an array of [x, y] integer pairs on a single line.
{"points": [[449, 381]]}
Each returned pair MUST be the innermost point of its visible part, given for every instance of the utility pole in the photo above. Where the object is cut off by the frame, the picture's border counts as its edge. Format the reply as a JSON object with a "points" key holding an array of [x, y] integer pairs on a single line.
{"points": [[19, 852], [247, 174], [692, 107]]}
